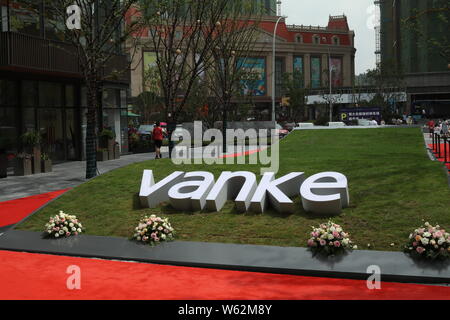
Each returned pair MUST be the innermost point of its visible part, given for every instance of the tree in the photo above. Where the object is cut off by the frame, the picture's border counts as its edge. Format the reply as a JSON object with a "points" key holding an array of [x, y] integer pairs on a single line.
{"points": [[182, 33], [96, 40], [236, 40], [293, 89], [388, 82]]}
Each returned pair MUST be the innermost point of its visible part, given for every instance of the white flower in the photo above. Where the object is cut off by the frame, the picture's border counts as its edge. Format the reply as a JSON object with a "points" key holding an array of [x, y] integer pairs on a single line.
{"points": [[78, 230], [425, 241], [330, 237], [427, 234], [355, 247], [61, 232], [441, 241], [56, 235], [71, 225]]}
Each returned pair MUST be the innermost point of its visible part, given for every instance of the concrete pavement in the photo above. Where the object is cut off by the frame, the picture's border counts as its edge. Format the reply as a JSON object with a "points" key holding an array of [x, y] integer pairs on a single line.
{"points": [[64, 175]]}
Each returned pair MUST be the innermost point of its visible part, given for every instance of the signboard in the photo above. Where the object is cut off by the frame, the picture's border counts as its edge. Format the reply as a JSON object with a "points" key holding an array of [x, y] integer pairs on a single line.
{"points": [[349, 114], [254, 70], [336, 73], [323, 193]]}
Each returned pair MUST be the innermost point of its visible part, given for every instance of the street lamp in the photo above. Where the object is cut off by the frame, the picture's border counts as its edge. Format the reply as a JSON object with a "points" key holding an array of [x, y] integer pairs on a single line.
{"points": [[329, 79], [273, 67]]}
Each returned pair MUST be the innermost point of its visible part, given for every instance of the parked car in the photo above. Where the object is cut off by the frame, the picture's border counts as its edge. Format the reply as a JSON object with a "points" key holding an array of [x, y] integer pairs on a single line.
{"points": [[281, 132], [289, 126], [145, 131]]}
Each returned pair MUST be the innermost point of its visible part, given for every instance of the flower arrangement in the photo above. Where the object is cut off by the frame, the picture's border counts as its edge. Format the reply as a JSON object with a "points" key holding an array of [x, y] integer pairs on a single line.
{"points": [[153, 230], [63, 225], [431, 242], [330, 239]]}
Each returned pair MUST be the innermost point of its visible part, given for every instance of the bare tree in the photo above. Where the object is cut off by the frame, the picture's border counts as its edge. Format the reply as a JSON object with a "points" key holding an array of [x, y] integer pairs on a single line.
{"points": [[182, 33], [238, 38], [96, 40]]}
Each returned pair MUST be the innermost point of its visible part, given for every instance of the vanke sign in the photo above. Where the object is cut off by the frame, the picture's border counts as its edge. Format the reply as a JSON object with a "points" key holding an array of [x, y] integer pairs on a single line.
{"points": [[324, 193]]}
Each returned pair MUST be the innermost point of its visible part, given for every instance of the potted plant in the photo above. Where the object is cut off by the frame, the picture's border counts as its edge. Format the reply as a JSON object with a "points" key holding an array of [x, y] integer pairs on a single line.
{"points": [[102, 154], [106, 137], [23, 165], [46, 163], [32, 141]]}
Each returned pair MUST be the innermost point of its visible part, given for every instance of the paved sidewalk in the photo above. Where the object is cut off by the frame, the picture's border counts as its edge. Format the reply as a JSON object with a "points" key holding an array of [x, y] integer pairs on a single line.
{"points": [[64, 175]]}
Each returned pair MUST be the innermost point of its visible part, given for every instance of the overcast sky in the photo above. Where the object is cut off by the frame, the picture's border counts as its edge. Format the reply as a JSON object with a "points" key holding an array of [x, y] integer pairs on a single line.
{"points": [[360, 16]]}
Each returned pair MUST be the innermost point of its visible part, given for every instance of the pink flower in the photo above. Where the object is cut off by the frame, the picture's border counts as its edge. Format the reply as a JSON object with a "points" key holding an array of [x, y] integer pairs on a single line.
{"points": [[336, 234], [415, 244], [322, 242], [337, 244], [67, 234], [153, 235], [420, 249], [311, 243], [437, 234]]}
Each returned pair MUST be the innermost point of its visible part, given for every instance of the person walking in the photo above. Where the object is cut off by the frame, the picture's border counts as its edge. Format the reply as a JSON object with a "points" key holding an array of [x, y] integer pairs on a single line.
{"points": [[157, 136], [444, 128], [431, 125]]}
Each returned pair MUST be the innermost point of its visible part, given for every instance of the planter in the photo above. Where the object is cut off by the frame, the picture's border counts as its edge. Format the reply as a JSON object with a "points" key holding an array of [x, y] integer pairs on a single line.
{"points": [[116, 151], [3, 165], [23, 167], [102, 155], [36, 160], [46, 165], [111, 144]]}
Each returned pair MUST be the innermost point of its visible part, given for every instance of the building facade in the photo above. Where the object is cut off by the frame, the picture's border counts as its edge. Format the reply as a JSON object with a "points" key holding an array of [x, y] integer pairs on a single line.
{"points": [[307, 50], [41, 86], [426, 72]]}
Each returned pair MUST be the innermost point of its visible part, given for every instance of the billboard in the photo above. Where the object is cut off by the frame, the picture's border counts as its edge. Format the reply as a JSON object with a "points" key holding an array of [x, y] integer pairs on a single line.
{"points": [[254, 78], [349, 114], [336, 74], [315, 72]]}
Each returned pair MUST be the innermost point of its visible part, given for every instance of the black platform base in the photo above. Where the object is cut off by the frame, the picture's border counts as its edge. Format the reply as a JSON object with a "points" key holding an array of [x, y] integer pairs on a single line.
{"points": [[394, 266]]}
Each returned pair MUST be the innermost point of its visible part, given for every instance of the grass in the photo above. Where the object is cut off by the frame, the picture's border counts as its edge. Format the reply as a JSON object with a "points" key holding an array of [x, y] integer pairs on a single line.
{"points": [[393, 187]]}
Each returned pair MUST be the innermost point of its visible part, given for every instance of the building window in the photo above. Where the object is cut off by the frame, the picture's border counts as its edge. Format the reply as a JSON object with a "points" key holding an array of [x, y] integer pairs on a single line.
{"points": [[298, 38], [336, 41], [298, 72], [316, 74], [316, 39]]}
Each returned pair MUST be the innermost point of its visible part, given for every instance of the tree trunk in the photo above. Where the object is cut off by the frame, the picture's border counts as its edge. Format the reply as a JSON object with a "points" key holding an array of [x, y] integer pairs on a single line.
{"points": [[224, 128], [91, 137]]}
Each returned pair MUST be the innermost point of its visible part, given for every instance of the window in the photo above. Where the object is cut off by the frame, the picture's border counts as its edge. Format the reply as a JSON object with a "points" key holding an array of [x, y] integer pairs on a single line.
{"points": [[316, 39], [335, 40], [298, 38], [316, 77]]}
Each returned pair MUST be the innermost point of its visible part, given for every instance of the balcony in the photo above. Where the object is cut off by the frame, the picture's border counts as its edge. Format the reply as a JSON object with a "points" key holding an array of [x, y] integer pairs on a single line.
{"points": [[21, 52]]}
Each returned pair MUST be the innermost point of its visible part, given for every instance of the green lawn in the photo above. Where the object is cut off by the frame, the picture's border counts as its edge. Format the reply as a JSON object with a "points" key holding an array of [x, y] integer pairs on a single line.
{"points": [[393, 187]]}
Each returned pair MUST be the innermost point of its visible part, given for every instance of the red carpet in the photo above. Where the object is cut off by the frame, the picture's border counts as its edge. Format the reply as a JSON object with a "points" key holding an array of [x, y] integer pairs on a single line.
{"points": [[246, 153], [441, 156], [39, 276], [13, 211]]}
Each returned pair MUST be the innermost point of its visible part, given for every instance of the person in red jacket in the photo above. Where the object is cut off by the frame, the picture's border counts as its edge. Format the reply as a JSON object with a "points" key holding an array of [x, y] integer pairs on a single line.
{"points": [[157, 136], [431, 125]]}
